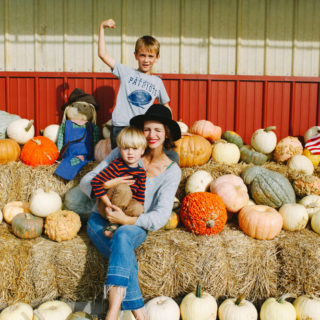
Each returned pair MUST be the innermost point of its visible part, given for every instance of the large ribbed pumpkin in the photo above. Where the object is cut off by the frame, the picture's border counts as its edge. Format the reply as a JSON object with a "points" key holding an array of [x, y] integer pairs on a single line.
{"points": [[268, 187], [203, 213], [193, 151], [39, 151], [9, 150], [206, 129]]}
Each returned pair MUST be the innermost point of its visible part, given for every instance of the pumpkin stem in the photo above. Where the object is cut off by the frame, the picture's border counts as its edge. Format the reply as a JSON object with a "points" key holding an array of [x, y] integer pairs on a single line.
{"points": [[270, 128], [210, 223], [37, 141], [198, 290], [239, 299], [28, 127], [285, 296], [47, 189]]}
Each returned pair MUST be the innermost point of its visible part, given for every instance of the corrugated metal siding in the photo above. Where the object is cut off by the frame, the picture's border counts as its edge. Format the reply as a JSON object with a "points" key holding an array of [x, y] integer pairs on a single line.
{"points": [[239, 103], [242, 37]]}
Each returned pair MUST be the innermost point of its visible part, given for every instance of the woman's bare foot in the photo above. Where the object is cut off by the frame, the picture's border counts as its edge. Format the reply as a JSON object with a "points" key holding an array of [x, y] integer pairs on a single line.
{"points": [[116, 295], [140, 314]]}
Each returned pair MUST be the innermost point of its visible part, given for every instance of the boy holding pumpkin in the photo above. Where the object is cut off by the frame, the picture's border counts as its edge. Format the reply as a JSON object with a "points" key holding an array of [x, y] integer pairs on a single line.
{"points": [[123, 178]]}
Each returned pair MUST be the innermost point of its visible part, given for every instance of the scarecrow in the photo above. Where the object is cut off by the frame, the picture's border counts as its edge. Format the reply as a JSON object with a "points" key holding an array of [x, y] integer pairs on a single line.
{"points": [[78, 134]]}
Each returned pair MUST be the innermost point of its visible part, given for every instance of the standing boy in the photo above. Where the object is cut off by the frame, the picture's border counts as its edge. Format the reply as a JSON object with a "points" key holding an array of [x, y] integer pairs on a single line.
{"points": [[138, 87]]}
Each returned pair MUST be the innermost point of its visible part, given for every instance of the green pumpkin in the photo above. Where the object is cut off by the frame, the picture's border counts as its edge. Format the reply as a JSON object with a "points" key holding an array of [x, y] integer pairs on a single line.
{"points": [[268, 187], [79, 315], [232, 137], [249, 155], [27, 226], [5, 119]]}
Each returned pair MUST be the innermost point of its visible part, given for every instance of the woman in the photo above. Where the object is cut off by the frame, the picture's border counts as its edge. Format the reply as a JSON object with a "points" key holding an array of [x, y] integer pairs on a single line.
{"points": [[163, 178]]}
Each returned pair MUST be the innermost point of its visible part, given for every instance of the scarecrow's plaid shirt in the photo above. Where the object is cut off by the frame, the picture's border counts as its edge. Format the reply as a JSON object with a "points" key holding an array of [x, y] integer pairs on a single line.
{"points": [[60, 139]]}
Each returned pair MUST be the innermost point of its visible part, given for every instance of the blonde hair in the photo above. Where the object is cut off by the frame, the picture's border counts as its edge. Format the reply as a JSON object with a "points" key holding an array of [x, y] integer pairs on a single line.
{"points": [[131, 137], [149, 43]]}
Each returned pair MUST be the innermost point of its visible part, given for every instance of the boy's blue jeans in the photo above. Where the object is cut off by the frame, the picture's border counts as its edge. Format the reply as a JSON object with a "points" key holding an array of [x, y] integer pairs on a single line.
{"points": [[123, 267]]}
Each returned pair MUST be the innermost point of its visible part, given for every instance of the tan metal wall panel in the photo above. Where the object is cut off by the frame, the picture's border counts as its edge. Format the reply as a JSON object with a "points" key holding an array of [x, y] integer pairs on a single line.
{"points": [[307, 38], [251, 36], [223, 37], [279, 37], [2, 34]]}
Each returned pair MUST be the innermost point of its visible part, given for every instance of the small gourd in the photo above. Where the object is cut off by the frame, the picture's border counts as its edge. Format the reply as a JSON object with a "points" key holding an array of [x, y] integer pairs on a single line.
{"points": [[300, 164], [27, 226], [44, 202], [295, 216], [198, 305], [161, 308], [264, 140], [206, 129], [17, 311], [249, 155], [315, 222], [233, 137], [183, 127], [237, 309], [9, 151], [311, 203], [226, 153], [21, 130], [278, 309], [53, 310], [314, 158], [13, 208], [51, 132], [106, 129], [198, 181], [172, 222], [79, 315], [307, 308]]}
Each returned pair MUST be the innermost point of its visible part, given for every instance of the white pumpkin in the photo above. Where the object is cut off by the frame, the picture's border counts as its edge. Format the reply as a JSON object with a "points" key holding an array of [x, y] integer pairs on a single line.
{"points": [[126, 315], [232, 190], [295, 216], [311, 132], [51, 132], [315, 222], [21, 130], [301, 164], [278, 309], [13, 208], [44, 202], [199, 306], [307, 308], [183, 127], [237, 309], [162, 307], [198, 181], [251, 203], [17, 311], [106, 129], [227, 153], [264, 140], [311, 203], [52, 310], [176, 203]]}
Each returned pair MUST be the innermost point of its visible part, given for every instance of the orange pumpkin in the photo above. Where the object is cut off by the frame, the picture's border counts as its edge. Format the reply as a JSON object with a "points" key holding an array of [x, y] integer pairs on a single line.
{"points": [[206, 129], [9, 150], [39, 151], [260, 222], [193, 151], [172, 222], [203, 213], [102, 149]]}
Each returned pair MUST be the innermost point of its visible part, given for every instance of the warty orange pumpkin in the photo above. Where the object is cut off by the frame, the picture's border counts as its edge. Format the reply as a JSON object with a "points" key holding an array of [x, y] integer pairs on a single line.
{"points": [[203, 213]]}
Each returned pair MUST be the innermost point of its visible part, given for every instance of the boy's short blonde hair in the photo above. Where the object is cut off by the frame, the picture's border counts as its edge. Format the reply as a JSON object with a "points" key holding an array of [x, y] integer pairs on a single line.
{"points": [[149, 43], [131, 137]]}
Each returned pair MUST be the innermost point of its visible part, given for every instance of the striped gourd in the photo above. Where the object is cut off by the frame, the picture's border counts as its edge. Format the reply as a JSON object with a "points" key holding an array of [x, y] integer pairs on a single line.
{"points": [[268, 187]]}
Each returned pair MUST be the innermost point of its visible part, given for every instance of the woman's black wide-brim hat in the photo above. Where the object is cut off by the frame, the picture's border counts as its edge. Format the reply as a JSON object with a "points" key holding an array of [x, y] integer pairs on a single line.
{"points": [[160, 113], [79, 95]]}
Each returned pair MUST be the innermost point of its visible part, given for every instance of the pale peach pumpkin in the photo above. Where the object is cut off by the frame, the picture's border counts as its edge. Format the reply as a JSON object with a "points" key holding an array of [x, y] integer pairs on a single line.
{"points": [[206, 129], [102, 149]]}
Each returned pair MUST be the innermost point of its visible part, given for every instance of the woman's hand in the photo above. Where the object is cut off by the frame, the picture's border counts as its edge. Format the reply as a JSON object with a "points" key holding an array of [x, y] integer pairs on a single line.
{"points": [[114, 182], [115, 215]]}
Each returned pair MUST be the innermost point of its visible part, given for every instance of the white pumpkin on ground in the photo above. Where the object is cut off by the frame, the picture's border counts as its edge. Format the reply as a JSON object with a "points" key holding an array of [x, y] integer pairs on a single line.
{"points": [[311, 132], [17, 311], [315, 222], [264, 140], [198, 181], [44, 202], [198, 305], [278, 309], [237, 309], [226, 153], [232, 190], [307, 308], [311, 203], [301, 164], [21, 130], [295, 216], [52, 310], [162, 307], [183, 127], [51, 132], [13, 208]]}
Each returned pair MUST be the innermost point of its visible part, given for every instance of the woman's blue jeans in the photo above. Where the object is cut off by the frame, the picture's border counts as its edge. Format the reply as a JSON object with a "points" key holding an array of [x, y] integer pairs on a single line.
{"points": [[123, 267]]}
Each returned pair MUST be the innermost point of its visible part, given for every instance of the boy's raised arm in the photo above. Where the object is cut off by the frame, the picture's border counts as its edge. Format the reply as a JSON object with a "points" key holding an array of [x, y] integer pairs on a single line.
{"points": [[102, 53]]}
